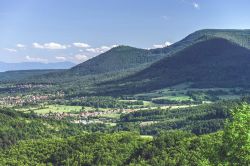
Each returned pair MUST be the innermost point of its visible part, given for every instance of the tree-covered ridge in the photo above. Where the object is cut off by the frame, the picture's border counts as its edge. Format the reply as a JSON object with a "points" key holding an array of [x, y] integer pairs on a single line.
{"points": [[212, 63], [117, 59], [227, 147], [240, 37], [124, 61]]}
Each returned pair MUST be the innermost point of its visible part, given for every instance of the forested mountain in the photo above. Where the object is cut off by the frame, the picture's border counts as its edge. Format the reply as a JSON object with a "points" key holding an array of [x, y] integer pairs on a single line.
{"points": [[117, 59], [206, 58], [124, 57], [240, 37], [215, 62]]}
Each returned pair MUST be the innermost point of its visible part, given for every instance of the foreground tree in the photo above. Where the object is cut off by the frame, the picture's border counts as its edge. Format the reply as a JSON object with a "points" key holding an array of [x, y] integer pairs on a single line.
{"points": [[236, 138]]}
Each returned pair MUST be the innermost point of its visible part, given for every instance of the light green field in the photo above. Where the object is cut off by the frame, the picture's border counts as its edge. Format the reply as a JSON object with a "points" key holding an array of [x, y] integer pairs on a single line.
{"points": [[175, 98], [169, 107], [149, 137], [147, 103], [53, 109], [113, 116], [58, 108]]}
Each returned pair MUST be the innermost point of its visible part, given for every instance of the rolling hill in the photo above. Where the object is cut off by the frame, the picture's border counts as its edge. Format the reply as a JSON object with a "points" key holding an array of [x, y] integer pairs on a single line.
{"points": [[124, 57], [117, 59], [209, 57], [215, 62], [240, 37], [116, 63]]}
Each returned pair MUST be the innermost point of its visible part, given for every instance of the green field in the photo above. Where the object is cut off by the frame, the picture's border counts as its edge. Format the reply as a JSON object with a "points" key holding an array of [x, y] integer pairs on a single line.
{"points": [[112, 116], [175, 98], [52, 108]]}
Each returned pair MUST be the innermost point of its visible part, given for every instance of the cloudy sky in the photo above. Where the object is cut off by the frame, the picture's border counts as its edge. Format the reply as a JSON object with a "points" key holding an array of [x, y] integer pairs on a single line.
{"points": [[76, 30]]}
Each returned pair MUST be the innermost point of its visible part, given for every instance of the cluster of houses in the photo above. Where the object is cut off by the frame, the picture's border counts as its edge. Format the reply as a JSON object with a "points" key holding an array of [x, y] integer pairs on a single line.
{"points": [[28, 99], [20, 101], [21, 87], [58, 115]]}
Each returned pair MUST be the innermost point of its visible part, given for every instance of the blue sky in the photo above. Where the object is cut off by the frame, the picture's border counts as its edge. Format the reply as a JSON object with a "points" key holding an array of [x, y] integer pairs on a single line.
{"points": [[76, 30]]}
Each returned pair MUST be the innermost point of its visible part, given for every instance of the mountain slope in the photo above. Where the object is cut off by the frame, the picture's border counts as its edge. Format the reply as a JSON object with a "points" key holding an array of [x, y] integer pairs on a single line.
{"points": [[123, 58], [34, 65], [215, 62], [117, 59], [240, 37], [124, 61]]}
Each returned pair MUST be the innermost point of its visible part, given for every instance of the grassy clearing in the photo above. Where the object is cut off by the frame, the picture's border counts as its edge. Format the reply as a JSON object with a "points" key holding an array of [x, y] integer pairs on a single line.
{"points": [[58, 108], [168, 107], [112, 116], [175, 98], [147, 103], [51, 108], [149, 137]]}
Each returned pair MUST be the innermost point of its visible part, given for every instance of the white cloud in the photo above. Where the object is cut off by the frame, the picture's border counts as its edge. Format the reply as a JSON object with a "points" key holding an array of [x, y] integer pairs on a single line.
{"points": [[21, 46], [196, 5], [61, 58], [167, 43], [101, 49], [94, 50], [158, 45], [36, 59], [10, 49], [51, 45], [81, 57], [37, 45], [81, 45]]}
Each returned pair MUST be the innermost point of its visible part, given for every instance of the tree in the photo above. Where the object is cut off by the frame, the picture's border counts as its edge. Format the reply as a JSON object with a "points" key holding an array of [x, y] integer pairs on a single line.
{"points": [[236, 138]]}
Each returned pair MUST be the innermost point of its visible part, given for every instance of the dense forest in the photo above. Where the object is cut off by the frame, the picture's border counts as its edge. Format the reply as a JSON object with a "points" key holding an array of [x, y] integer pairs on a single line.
{"points": [[229, 146]]}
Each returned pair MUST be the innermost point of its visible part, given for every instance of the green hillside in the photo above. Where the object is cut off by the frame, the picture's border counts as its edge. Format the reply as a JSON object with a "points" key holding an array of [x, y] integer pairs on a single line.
{"points": [[240, 37], [124, 57], [212, 63], [132, 66], [116, 63], [117, 59]]}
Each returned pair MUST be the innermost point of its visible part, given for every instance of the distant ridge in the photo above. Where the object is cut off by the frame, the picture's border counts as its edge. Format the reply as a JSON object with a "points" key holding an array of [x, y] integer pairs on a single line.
{"points": [[34, 66], [125, 57], [215, 62], [221, 56], [117, 59]]}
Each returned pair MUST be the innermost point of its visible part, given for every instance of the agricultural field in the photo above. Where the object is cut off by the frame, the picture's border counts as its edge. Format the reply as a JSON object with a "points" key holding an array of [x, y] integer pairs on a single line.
{"points": [[51, 108]]}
